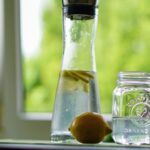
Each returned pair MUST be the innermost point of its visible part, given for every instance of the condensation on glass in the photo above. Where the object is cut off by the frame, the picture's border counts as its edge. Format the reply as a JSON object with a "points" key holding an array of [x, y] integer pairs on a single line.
{"points": [[131, 108], [77, 90]]}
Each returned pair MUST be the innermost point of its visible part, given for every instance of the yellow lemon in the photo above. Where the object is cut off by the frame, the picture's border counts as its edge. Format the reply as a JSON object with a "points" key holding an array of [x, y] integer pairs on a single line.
{"points": [[89, 127]]}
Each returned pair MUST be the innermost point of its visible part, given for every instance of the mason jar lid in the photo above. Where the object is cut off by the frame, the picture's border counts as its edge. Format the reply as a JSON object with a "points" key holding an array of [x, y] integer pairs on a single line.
{"points": [[133, 77]]}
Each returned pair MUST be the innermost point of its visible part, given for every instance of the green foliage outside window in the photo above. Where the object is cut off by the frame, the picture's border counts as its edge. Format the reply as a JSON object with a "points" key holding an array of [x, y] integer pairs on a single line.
{"points": [[122, 44]]}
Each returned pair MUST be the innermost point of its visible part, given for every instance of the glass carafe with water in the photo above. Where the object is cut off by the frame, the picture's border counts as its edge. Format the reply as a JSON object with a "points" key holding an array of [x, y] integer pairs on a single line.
{"points": [[77, 90]]}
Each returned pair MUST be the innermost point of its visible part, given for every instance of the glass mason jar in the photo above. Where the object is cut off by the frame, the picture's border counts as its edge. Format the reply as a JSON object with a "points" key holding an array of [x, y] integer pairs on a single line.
{"points": [[131, 108]]}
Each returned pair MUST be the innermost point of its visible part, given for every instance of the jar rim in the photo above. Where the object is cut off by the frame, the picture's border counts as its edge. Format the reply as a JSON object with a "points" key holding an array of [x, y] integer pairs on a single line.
{"points": [[133, 78], [134, 75]]}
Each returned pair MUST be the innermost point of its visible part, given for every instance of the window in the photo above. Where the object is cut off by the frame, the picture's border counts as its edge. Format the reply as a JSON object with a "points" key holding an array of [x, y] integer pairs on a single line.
{"points": [[41, 46], [122, 45]]}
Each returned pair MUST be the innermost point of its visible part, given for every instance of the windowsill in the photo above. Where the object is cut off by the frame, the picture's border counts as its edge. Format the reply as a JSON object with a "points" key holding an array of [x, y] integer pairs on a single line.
{"points": [[20, 144], [36, 116], [48, 116]]}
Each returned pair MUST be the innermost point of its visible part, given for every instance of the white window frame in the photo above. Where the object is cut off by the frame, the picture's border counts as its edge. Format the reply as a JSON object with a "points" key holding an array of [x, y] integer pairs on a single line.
{"points": [[17, 124], [1, 59]]}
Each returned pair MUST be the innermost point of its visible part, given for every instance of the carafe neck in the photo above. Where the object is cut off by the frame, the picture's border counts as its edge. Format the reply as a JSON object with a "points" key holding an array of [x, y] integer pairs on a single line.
{"points": [[79, 41]]}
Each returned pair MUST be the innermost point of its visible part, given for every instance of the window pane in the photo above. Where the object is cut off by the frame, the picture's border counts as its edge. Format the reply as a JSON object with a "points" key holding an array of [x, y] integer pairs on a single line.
{"points": [[41, 51], [122, 44]]}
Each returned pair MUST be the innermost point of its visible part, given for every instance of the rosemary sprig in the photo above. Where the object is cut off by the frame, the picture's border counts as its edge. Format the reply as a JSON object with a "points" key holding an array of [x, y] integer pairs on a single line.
{"points": [[78, 75]]}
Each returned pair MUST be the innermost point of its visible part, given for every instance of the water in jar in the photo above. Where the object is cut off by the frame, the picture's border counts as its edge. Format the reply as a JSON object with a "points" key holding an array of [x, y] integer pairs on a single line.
{"points": [[131, 115], [126, 130]]}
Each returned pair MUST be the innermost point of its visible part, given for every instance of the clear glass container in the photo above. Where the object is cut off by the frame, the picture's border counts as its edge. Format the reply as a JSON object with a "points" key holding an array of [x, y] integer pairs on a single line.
{"points": [[77, 90], [131, 108]]}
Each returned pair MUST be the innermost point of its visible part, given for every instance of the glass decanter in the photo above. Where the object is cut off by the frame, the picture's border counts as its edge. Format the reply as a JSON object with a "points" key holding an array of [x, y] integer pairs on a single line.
{"points": [[77, 90]]}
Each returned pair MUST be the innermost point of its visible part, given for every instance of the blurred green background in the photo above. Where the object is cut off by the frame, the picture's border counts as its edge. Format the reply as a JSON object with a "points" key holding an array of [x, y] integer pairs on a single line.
{"points": [[122, 44]]}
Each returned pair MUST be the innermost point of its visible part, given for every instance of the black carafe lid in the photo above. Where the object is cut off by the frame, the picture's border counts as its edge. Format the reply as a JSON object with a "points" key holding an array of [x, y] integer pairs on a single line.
{"points": [[80, 9]]}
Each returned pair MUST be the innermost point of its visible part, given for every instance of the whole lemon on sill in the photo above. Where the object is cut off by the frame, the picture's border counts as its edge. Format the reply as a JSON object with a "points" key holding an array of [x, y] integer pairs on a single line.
{"points": [[89, 127]]}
